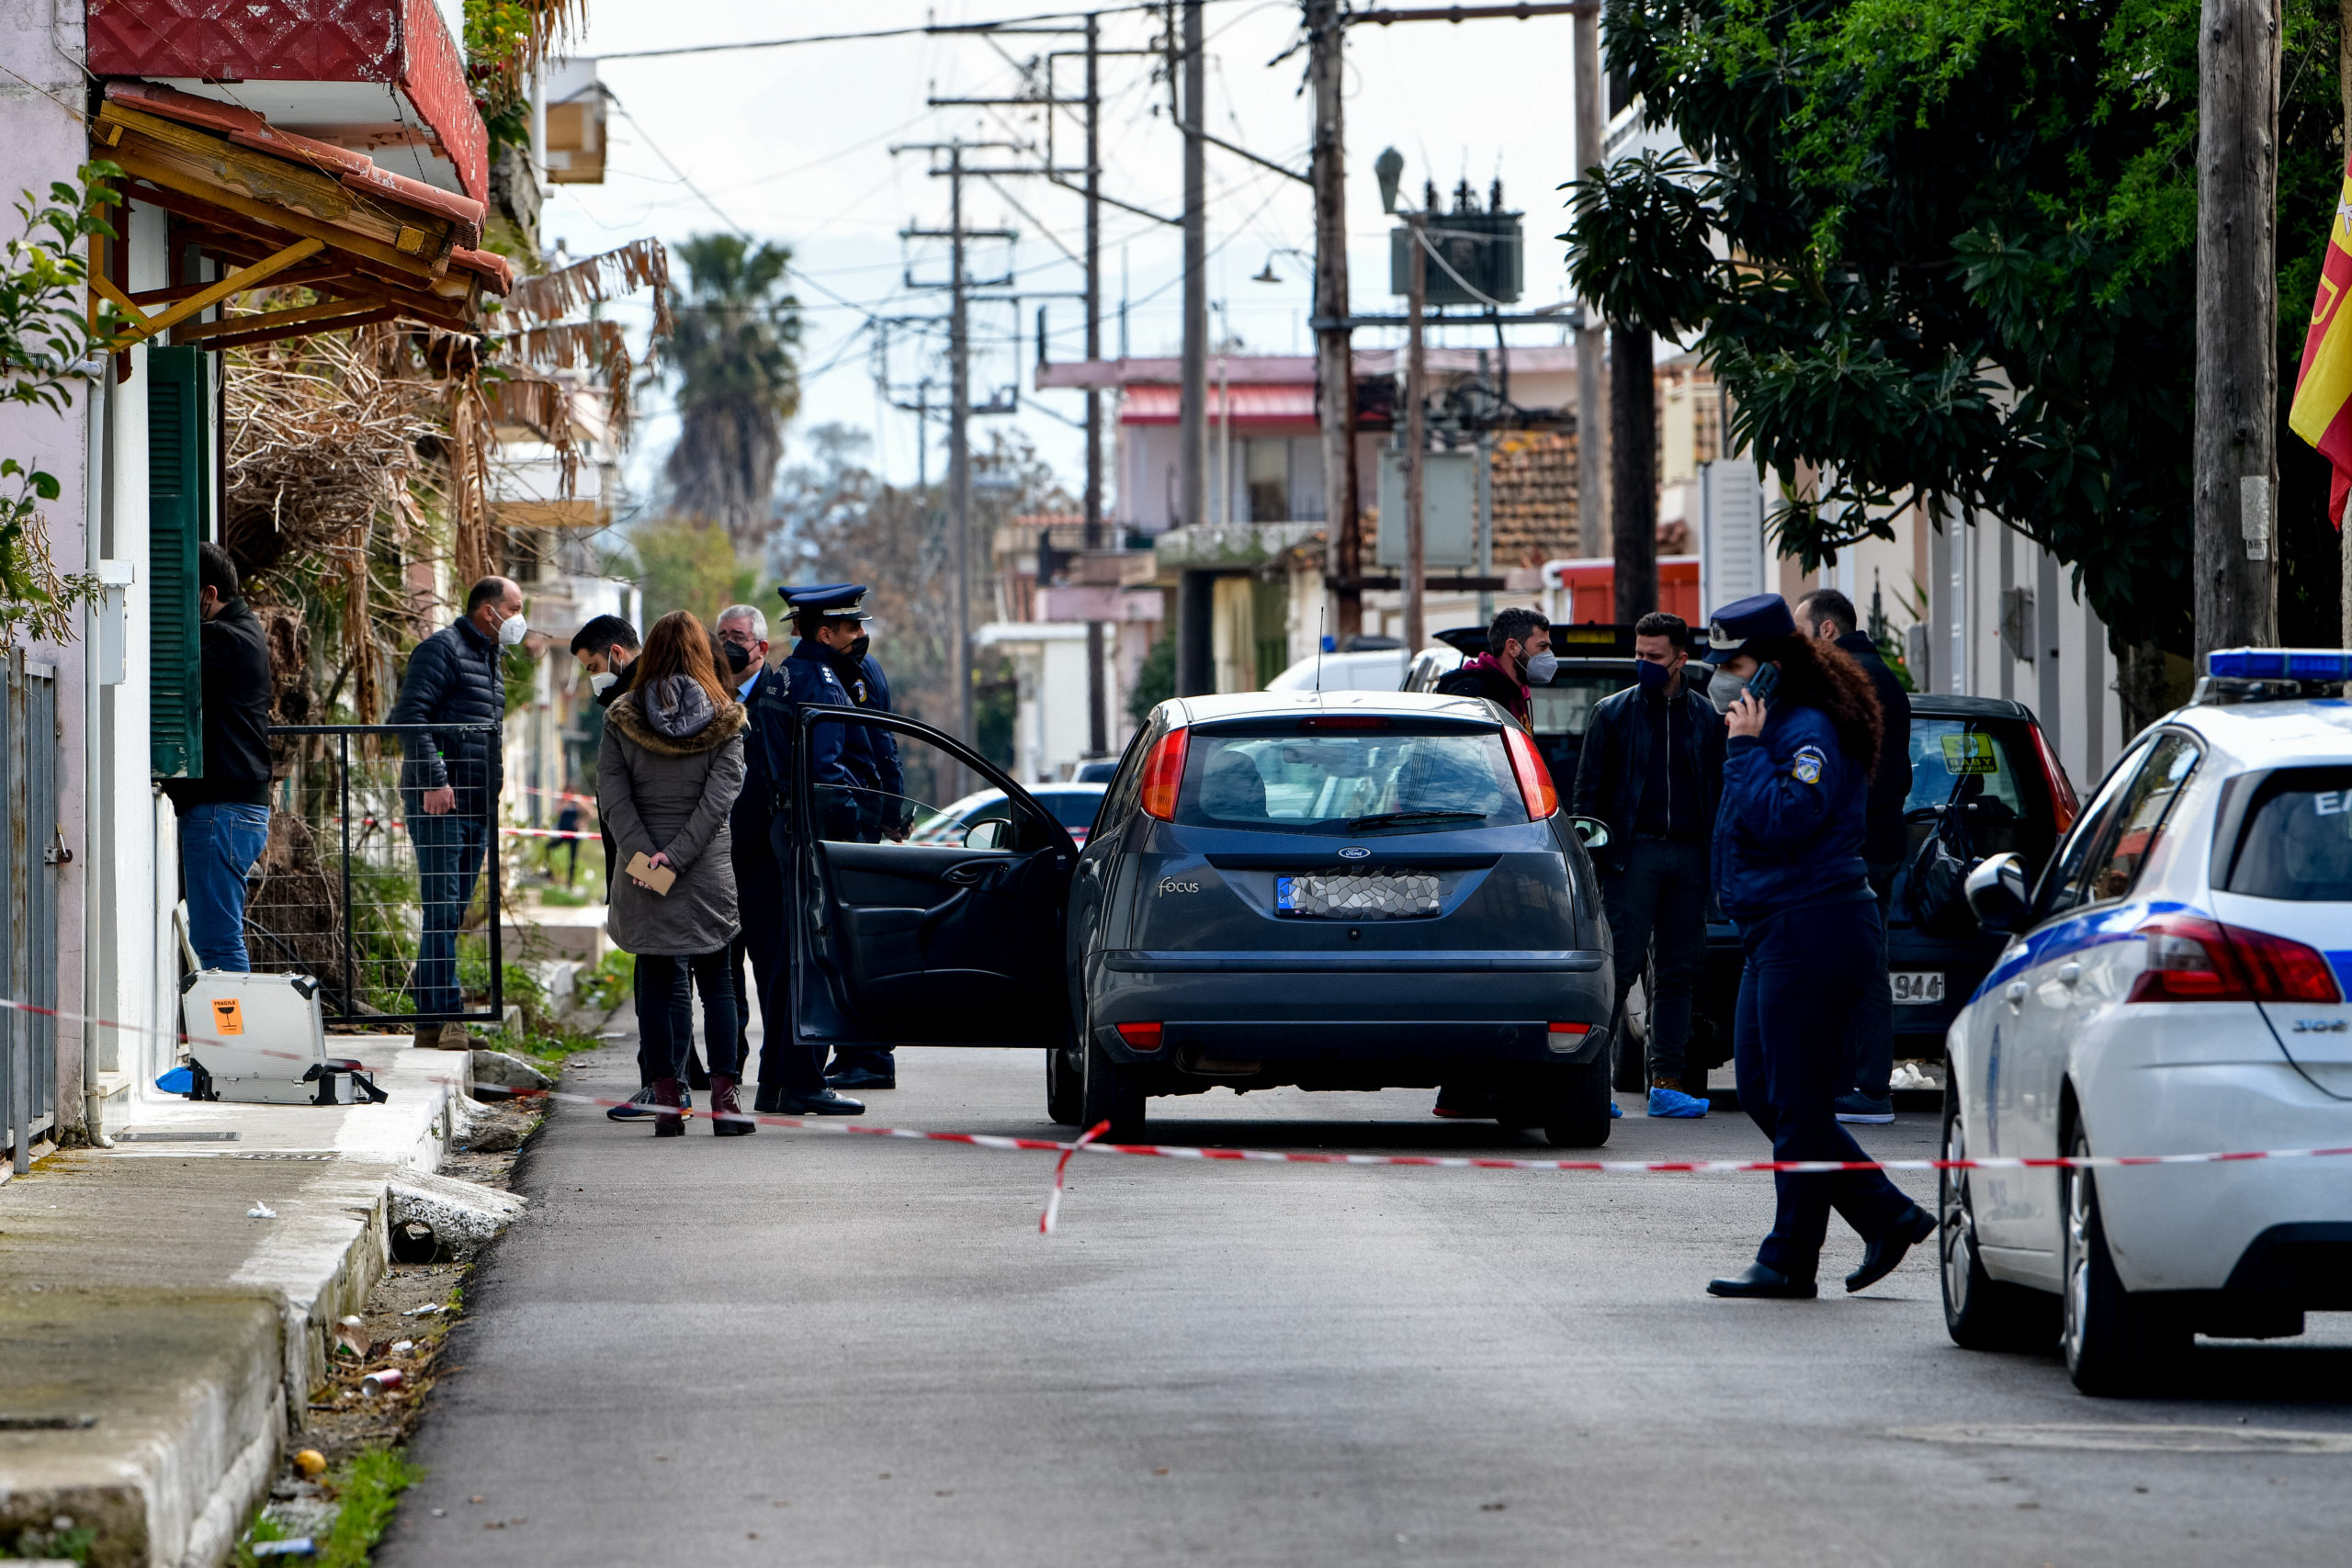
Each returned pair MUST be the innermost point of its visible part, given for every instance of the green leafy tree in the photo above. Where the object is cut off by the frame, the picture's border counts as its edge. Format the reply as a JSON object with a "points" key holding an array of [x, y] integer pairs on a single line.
{"points": [[735, 359], [1943, 257], [687, 564], [46, 346]]}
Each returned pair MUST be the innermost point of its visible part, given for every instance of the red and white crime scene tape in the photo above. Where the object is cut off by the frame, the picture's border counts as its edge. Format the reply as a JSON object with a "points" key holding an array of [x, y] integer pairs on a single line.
{"points": [[1091, 1141]]}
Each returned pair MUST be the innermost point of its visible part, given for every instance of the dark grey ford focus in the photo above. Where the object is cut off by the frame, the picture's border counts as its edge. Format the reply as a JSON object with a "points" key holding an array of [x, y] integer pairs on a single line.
{"points": [[1360, 890]]}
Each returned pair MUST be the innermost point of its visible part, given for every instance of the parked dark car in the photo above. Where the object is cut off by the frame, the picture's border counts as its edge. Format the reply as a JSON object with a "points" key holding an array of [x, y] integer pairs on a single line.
{"points": [[1558, 713], [1360, 890], [1984, 762]]}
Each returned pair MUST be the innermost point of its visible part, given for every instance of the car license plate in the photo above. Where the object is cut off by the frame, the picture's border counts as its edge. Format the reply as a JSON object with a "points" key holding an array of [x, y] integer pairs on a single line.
{"points": [[1355, 897], [1915, 987]]}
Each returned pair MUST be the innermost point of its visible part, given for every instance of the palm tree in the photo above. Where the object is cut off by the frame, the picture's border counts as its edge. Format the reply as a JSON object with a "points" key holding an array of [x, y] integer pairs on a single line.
{"points": [[734, 357]]}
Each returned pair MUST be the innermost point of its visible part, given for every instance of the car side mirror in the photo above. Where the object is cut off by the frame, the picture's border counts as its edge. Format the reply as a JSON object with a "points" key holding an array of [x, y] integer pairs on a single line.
{"points": [[1592, 831], [992, 834], [1996, 892]]}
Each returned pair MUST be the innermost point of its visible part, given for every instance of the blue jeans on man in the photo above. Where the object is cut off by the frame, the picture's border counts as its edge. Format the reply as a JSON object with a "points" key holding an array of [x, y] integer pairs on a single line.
{"points": [[450, 849], [218, 846]]}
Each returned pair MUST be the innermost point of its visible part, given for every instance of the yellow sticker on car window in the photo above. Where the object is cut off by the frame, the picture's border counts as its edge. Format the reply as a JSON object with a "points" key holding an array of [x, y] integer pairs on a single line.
{"points": [[228, 1016], [1969, 755]]}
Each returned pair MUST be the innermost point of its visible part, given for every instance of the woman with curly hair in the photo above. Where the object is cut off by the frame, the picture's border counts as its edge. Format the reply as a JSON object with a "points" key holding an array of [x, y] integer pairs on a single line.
{"points": [[667, 773], [1804, 725]]}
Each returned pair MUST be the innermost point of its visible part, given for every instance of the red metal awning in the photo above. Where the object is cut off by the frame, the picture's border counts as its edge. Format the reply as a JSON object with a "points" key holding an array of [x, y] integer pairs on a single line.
{"points": [[1285, 404]]}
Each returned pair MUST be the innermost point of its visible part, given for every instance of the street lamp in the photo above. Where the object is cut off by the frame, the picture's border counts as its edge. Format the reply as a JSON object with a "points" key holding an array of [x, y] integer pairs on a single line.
{"points": [[1389, 170]]}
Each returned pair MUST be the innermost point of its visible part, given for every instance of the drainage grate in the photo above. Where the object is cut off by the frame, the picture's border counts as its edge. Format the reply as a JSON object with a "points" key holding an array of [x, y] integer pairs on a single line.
{"points": [[174, 1137]]}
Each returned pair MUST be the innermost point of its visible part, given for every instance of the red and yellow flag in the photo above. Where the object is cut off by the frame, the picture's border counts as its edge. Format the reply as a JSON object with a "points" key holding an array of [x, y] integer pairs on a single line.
{"points": [[2321, 413]]}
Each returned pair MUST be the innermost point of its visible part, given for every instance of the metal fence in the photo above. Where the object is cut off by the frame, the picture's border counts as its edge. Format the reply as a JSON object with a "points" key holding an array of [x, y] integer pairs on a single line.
{"points": [[365, 889], [30, 852]]}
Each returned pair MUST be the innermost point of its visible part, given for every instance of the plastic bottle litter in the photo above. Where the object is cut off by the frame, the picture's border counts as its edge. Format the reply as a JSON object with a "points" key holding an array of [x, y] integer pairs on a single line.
{"points": [[383, 1380], [261, 1212]]}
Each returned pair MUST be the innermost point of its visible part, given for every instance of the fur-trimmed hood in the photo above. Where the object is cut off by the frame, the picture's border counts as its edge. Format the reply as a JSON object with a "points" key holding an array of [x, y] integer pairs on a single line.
{"points": [[624, 715]]}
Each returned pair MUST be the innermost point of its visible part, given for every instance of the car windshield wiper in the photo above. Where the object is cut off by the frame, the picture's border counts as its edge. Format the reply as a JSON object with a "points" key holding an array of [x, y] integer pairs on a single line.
{"points": [[1392, 819]]}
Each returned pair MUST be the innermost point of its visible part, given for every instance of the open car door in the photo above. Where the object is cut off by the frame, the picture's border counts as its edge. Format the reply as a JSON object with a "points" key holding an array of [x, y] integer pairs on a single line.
{"points": [[919, 918]]}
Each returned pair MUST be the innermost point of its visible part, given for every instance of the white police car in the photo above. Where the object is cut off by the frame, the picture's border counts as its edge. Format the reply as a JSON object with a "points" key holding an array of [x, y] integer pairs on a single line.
{"points": [[2175, 984]]}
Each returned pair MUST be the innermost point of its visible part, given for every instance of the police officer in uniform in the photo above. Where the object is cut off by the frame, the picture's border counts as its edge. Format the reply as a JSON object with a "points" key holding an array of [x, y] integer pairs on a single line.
{"points": [[1804, 728], [832, 623], [792, 1077]]}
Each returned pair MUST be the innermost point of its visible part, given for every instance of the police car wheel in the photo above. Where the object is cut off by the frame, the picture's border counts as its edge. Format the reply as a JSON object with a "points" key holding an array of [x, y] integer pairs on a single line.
{"points": [[1111, 1092], [1980, 1312], [1065, 1087], [2116, 1342], [1577, 1115]]}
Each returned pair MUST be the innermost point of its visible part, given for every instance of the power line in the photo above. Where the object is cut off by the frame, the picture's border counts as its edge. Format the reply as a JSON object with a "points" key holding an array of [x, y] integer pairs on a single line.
{"points": [[930, 30]]}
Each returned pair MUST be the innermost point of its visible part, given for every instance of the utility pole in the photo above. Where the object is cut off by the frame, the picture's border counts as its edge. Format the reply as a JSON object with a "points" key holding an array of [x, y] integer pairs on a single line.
{"points": [[1195, 667], [2236, 455], [959, 447], [1098, 697], [1416, 431], [1334, 349], [1592, 441]]}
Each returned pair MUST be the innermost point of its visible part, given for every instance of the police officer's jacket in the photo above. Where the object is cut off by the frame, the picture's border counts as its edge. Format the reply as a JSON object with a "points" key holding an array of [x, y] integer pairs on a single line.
{"points": [[871, 752], [776, 727], [1790, 829]]}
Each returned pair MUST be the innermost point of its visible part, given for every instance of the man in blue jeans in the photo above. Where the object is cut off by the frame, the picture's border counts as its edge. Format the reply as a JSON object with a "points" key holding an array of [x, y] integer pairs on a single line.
{"points": [[449, 783], [225, 809]]}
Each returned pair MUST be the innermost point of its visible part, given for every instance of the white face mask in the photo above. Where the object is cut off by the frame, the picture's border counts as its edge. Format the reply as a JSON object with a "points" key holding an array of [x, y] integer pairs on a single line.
{"points": [[511, 630], [602, 684], [1725, 689], [1542, 668]]}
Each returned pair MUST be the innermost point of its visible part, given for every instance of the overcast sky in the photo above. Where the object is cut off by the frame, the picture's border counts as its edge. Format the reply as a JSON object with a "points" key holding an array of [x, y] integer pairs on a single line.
{"points": [[794, 145]]}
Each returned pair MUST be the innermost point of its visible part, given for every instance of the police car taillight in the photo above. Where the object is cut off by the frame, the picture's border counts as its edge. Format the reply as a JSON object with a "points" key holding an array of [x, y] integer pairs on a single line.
{"points": [[1163, 774], [2191, 959], [1534, 779]]}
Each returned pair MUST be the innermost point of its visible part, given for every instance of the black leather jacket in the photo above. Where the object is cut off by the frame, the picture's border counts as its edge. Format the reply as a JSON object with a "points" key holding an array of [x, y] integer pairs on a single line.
{"points": [[1616, 754]]}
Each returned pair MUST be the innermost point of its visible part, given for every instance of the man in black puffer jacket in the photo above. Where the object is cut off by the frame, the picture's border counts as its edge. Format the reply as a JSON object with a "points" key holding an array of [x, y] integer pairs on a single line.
{"points": [[449, 783]]}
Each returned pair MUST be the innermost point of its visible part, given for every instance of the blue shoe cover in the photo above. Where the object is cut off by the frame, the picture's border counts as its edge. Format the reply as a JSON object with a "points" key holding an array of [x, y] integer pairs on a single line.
{"points": [[1615, 1111], [1674, 1102]]}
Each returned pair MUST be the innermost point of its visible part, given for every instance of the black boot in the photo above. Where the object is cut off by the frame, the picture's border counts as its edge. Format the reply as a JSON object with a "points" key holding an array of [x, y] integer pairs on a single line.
{"points": [[1762, 1282], [726, 1119], [667, 1123], [1882, 1255]]}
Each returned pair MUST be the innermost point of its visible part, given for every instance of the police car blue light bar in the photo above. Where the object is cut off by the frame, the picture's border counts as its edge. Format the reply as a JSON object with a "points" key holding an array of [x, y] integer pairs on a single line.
{"points": [[2281, 663]]}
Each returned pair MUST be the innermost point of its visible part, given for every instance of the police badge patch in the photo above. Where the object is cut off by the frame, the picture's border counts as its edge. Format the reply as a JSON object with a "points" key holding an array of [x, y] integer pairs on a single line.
{"points": [[857, 690], [1806, 765]]}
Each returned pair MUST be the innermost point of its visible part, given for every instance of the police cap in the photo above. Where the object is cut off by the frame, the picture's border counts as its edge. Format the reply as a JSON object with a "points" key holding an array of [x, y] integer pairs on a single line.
{"points": [[1744, 624], [835, 601]]}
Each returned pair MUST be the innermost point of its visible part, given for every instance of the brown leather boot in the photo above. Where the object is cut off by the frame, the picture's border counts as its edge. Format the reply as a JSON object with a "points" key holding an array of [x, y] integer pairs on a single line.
{"points": [[667, 1123], [725, 1114]]}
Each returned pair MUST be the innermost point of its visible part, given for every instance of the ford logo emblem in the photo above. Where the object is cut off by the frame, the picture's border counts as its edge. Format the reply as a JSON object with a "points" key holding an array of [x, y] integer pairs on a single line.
{"points": [[1354, 851]]}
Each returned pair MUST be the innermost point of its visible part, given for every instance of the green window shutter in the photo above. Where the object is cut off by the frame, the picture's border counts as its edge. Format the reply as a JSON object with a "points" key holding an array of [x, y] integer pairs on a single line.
{"points": [[179, 498]]}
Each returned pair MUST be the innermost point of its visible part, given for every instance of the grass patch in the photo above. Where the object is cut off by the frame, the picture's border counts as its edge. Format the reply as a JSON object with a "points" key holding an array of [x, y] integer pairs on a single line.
{"points": [[365, 1488], [70, 1544], [612, 982]]}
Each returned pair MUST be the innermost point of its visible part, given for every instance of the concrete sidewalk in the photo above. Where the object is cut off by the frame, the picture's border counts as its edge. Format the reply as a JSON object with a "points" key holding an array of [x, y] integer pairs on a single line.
{"points": [[158, 1338]]}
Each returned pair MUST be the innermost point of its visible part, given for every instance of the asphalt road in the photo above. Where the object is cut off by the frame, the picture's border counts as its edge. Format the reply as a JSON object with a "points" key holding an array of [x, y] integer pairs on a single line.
{"points": [[830, 1350]]}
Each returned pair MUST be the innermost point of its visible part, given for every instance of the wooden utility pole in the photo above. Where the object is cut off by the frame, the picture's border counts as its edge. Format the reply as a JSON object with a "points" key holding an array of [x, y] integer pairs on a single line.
{"points": [[1098, 696], [2236, 455], [959, 447], [1416, 431], [1195, 663], [1592, 437], [1334, 348], [1633, 484]]}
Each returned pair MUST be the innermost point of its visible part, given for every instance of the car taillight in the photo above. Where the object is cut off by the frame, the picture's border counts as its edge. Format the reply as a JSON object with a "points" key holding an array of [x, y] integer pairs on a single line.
{"points": [[1346, 721], [2063, 800], [1140, 1036], [1535, 778], [2191, 959], [1163, 771], [1558, 1028]]}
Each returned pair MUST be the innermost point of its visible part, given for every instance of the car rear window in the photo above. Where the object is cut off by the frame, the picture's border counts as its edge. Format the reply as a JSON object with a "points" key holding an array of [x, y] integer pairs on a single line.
{"points": [[1345, 781], [2297, 838], [1072, 808], [1958, 761]]}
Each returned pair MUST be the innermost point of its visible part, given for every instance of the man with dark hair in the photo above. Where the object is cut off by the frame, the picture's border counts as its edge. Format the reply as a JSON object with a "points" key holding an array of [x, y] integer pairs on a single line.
{"points": [[449, 783], [224, 810], [1828, 617], [1652, 769], [1519, 655], [605, 649]]}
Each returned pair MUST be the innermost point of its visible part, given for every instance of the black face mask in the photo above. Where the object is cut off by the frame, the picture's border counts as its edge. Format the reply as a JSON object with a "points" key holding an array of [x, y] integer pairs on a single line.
{"points": [[738, 658], [857, 650]]}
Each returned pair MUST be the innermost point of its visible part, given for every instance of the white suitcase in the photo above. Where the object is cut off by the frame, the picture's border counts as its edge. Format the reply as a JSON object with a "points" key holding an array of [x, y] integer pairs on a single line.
{"points": [[261, 1040]]}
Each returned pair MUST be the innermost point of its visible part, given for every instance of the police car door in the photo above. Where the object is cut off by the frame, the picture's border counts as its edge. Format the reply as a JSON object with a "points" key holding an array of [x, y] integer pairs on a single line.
{"points": [[929, 890]]}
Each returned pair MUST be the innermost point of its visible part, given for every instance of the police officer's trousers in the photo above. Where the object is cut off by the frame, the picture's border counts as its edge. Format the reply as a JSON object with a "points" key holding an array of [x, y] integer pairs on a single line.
{"points": [[786, 1066], [1807, 967]]}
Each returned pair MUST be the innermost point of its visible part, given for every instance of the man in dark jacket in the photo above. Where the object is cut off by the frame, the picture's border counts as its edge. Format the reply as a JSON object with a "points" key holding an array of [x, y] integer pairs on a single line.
{"points": [[1652, 769], [1827, 616], [1519, 655], [449, 783], [606, 649], [224, 811]]}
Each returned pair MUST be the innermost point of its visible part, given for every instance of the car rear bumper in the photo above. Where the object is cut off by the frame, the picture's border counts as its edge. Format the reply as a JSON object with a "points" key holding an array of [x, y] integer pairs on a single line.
{"points": [[2203, 1227], [1308, 1010]]}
